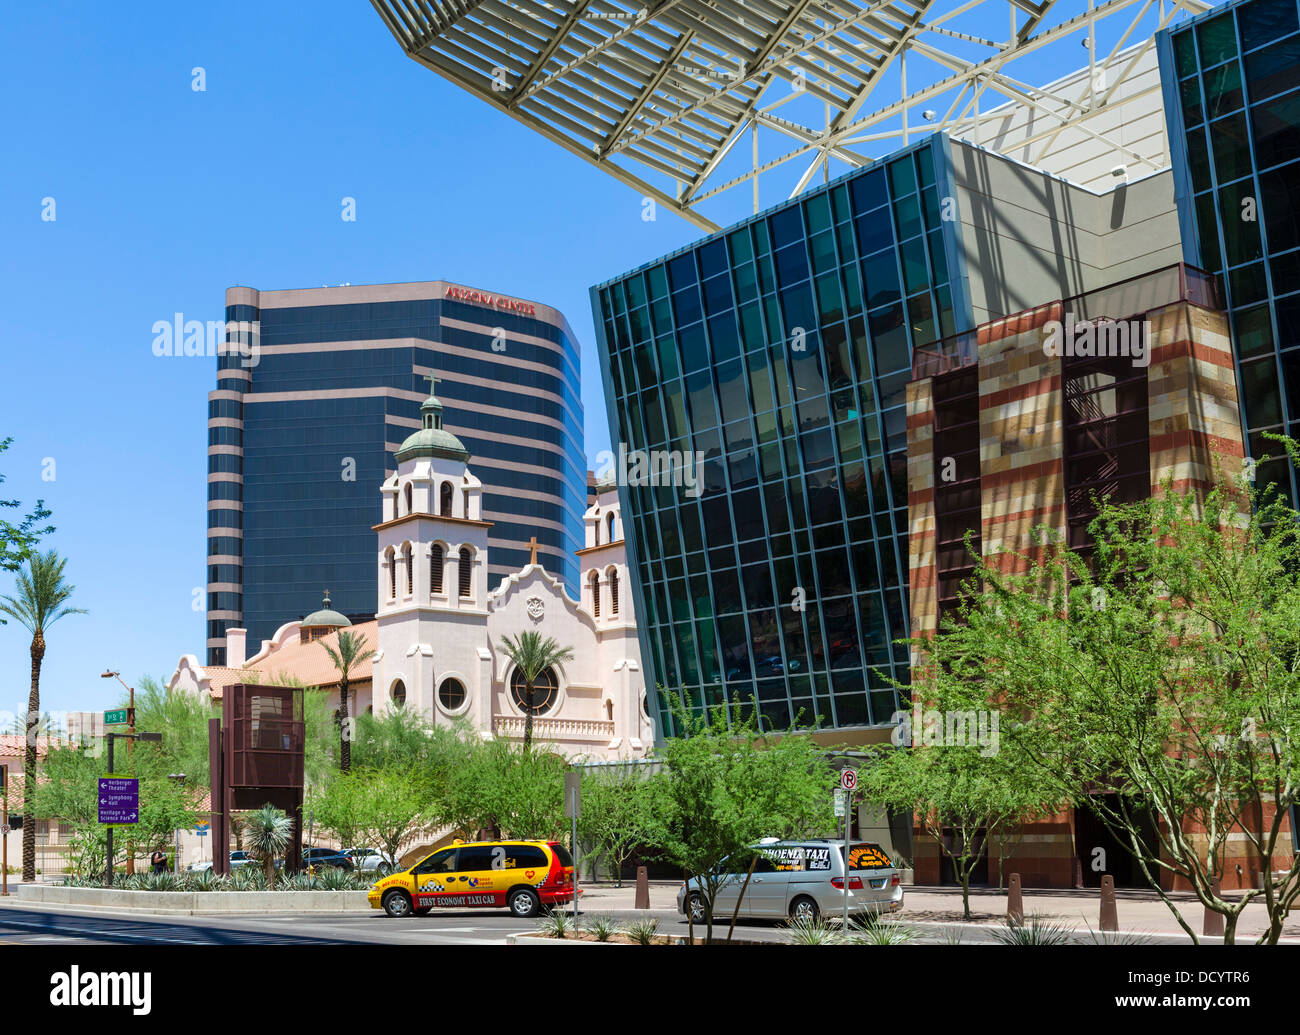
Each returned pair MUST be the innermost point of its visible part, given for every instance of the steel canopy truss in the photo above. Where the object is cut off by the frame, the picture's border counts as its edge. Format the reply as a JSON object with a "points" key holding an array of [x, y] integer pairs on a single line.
{"points": [[661, 95]]}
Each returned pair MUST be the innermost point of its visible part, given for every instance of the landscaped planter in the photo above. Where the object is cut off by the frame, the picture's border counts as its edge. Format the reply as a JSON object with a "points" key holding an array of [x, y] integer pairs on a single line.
{"points": [[195, 902]]}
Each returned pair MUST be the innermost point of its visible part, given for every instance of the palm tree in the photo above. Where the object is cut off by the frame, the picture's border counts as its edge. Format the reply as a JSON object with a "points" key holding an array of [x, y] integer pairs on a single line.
{"points": [[42, 594], [350, 653], [533, 655], [267, 832]]}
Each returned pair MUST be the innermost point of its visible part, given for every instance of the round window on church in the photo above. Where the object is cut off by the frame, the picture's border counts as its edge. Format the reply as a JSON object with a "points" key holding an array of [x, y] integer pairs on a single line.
{"points": [[451, 694], [546, 689], [398, 693]]}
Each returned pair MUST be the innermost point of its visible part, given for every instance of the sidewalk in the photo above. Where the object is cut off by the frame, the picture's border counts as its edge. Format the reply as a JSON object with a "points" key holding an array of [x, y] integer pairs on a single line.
{"points": [[1139, 911]]}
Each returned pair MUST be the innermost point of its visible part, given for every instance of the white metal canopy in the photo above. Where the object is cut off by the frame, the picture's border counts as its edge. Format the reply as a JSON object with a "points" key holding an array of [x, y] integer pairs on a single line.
{"points": [[685, 100]]}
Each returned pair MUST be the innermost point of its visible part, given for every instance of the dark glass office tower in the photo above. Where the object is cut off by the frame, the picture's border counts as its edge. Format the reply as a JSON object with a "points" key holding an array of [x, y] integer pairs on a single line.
{"points": [[780, 349], [301, 435], [1231, 80]]}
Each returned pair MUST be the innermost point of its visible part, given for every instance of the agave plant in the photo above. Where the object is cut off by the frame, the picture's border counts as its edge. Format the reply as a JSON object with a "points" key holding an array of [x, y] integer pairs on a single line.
{"points": [[208, 880], [165, 881], [1036, 931], [296, 882], [1117, 937], [643, 931], [331, 878], [602, 927], [266, 833], [812, 932], [880, 931], [557, 923]]}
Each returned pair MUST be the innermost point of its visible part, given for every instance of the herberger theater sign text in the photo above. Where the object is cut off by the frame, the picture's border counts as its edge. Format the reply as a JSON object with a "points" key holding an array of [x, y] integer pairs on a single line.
{"points": [[512, 305]]}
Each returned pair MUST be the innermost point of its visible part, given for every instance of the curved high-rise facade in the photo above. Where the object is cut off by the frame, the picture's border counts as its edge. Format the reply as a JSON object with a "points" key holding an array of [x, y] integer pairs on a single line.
{"points": [[316, 389]]}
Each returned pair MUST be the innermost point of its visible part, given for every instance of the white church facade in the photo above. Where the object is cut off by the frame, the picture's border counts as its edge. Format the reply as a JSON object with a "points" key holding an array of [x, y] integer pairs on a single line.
{"points": [[439, 628]]}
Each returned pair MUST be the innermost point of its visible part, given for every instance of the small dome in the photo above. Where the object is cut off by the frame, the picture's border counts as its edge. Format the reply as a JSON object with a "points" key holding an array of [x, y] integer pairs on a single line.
{"points": [[432, 439], [325, 617]]}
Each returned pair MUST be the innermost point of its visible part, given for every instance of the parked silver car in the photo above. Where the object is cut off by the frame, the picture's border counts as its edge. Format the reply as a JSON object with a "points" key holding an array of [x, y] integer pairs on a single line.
{"points": [[369, 860], [803, 880]]}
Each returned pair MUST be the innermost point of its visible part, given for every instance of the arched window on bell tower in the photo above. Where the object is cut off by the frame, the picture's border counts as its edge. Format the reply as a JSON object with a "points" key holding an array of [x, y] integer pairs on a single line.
{"points": [[466, 573], [408, 498], [392, 573], [594, 580], [445, 493], [410, 568], [613, 591], [437, 558]]}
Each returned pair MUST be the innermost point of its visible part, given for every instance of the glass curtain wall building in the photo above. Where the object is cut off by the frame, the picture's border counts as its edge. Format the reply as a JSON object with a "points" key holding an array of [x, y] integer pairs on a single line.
{"points": [[299, 439], [780, 350], [1231, 81]]}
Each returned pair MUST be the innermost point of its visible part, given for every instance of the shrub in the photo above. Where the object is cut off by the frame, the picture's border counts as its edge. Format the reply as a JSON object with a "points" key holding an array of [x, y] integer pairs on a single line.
{"points": [[602, 927], [643, 931], [812, 932], [556, 923], [1036, 932]]}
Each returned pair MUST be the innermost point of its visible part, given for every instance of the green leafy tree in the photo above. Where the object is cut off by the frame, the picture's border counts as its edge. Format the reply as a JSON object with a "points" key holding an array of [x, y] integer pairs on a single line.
{"points": [[18, 541], [1161, 677], [402, 739], [619, 816], [726, 786], [499, 789], [351, 651], [373, 808], [266, 833], [963, 798], [532, 655], [182, 719], [41, 601]]}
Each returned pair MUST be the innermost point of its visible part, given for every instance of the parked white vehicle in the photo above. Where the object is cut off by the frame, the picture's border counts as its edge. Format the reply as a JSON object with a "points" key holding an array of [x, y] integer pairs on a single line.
{"points": [[368, 860]]}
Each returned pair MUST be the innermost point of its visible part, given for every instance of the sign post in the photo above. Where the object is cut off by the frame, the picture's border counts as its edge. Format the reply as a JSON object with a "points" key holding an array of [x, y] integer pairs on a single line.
{"points": [[572, 808], [119, 803], [848, 781], [4, 829]]}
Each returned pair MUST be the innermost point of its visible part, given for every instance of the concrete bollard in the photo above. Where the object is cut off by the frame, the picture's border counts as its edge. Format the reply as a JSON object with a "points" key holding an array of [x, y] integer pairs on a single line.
{"points": [[1109, 915], [1015, 902], [1213, 925], [642, 888]]}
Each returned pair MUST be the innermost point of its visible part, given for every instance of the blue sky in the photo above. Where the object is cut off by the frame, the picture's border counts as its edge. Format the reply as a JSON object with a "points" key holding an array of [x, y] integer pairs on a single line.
{"points": [[165, 196]]}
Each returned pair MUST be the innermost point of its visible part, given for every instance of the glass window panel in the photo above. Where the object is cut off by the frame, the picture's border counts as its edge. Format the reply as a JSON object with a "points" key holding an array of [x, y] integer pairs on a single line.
{"points": [[786, 227], [1241, 235], [713, 258], [925, 165], [1276, 127], [817, 211], [724, 337], [1253, 332], [791, 265], [1247, 284], [840, 203], [1259, 391], [1280, 213], [741, 248], [1231, 147], [717, 295], [1207, 224], [695, 351], [822, 247], [880, 273], [1185, 54], [686, 307], [874, 234], [902, 176], [746, 282], [658, 281], [797, 307], [938, 260], [868, 191], [731, 390], [1198, 160], [889, 340], [1218, 39], [1266, 20], [681, 272], [1190, 91], [912, 254], [830, 306], [1274, 69], [1223, 89], [907, 217], [667, 349]]}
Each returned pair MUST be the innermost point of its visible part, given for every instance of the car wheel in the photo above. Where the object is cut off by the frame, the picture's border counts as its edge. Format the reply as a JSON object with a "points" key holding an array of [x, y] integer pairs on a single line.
{"points": [[696, 907], [397, 904], [383, 870], [804, 910], [524, 903]]}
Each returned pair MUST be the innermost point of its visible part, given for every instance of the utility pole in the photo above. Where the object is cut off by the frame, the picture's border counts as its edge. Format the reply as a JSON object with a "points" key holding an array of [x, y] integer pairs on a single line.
{"points": [[4, 830]]}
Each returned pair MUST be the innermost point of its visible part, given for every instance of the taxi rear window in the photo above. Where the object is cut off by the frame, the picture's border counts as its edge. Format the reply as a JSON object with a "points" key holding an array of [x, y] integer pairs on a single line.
{"points": [[867, 856], [562, 854]]}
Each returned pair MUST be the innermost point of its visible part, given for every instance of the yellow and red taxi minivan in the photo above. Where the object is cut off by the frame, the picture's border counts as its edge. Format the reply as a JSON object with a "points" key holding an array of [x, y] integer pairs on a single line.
{"points": [[522, 876]]}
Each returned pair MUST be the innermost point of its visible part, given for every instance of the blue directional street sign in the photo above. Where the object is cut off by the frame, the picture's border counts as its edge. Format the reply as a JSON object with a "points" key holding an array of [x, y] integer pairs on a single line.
{"points": [[119, 799]]}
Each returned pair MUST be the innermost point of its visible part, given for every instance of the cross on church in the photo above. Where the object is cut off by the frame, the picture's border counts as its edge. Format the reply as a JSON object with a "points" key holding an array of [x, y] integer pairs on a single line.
{"points": [[532, 548], [433, 382]]}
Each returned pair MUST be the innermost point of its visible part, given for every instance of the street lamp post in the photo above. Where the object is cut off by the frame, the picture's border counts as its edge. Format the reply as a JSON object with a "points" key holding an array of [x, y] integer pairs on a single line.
{"points": [[178, 778], [130, 726]]}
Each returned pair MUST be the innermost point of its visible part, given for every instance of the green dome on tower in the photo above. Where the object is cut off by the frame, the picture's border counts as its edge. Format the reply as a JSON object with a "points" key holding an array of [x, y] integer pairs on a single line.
{"points": [[432, 440], [325, 617]]}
